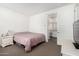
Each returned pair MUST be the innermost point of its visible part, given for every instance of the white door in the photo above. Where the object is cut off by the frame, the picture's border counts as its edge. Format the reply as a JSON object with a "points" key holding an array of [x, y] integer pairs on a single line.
{"points": [[65, 19], [60, 29]]}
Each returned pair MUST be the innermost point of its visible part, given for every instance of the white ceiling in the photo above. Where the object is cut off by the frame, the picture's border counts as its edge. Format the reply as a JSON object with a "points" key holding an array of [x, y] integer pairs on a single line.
{"points": [[29, 9]]}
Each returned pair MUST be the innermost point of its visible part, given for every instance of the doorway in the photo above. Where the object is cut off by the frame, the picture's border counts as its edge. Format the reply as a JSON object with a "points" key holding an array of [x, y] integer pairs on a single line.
{"points": [[52, 26]]}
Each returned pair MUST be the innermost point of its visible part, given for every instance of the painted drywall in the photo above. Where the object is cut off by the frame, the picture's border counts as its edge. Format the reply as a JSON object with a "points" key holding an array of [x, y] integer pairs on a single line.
{"points": [[12, 20], [38, 24], [29, 9], [65, 19]]}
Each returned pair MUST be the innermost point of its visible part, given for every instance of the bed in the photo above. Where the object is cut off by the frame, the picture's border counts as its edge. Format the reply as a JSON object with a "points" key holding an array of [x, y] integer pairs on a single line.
{"points": [[29, 39]]}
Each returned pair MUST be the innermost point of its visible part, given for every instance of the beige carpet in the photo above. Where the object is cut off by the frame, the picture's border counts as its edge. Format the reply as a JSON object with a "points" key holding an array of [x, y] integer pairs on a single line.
{"points": [[45, 49]]}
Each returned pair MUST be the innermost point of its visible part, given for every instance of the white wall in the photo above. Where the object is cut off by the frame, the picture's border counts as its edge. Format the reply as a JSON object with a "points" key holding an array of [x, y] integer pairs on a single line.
{"points": [[65, 15], [38, 24], [12, 20]]}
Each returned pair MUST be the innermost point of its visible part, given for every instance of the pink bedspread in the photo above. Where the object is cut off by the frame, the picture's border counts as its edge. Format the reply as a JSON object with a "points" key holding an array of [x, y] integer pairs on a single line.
{"points": [[28, 39]]}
